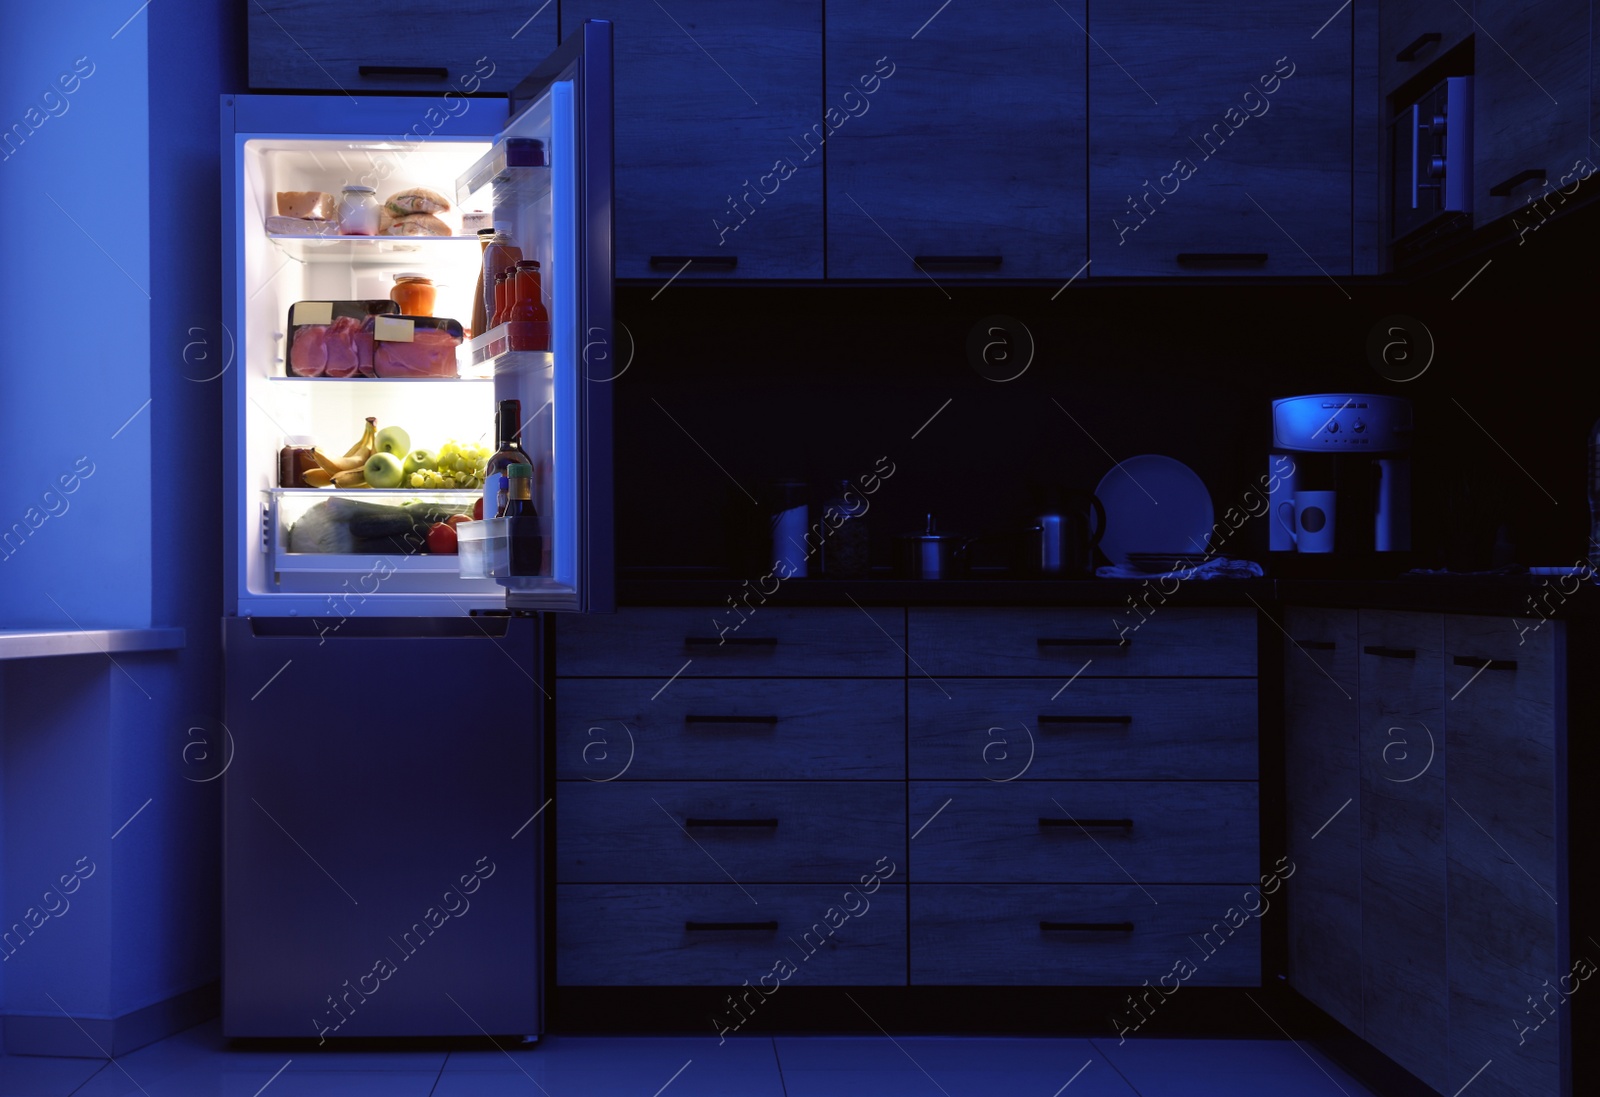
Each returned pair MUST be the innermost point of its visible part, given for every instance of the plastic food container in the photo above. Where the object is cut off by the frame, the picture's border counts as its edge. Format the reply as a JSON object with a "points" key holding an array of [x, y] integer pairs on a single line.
{"points": [[414, 346], [333, 338]]}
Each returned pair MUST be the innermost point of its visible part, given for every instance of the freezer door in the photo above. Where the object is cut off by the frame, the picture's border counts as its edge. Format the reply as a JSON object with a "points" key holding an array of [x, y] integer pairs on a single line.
{"points": [[563, 217], [383, 845]]}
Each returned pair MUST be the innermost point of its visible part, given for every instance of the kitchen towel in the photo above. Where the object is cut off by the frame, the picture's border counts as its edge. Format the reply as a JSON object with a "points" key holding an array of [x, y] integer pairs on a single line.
{"points": [[1218, 567]]}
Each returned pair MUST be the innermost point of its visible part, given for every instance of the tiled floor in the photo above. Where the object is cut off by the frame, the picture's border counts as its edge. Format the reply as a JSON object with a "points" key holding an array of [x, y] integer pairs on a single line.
{"points": [[197, 1063]]}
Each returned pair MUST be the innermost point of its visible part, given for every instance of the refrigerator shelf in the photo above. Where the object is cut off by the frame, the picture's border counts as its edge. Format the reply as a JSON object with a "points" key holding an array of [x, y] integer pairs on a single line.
{"points": [[370, 250], [421, 495], [383, 380], [358, 563]]}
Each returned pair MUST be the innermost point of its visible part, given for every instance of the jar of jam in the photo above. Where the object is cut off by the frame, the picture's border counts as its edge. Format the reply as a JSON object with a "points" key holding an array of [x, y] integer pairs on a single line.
{"points": [[359, 214], [294, 460], [413, 293]]}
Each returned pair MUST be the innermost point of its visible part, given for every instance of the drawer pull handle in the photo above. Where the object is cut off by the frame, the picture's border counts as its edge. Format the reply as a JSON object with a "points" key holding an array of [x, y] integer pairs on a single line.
{"points": [[673, 262], [713, 927], [1075, 721], [1480, 662], [1501, 190], [1316, 645], [428, 72], [696, 821], [692, 718], [731, 643], [1087, 824], [1081, 642], [1423, 40], [1222, 259], [1390, 653], [946, 261], [1086, 927]]}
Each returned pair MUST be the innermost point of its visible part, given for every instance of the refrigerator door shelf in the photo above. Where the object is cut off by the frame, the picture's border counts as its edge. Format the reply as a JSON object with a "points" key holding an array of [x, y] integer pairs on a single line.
{"points": [[492, 350], [514, 172]]}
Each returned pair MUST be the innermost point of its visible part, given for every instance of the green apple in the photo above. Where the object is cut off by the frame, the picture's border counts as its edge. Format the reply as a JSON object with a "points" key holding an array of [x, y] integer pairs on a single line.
{"points": [[392, 440], [383, 470], [420, 459]]}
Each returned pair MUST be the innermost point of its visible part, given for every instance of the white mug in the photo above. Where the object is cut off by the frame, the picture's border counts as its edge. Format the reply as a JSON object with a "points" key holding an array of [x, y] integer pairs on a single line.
{"points": [[1309, 520]]}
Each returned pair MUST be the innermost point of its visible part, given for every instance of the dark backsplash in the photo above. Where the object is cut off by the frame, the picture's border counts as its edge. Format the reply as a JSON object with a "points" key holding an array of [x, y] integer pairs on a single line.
{"points": [[820, 382]]}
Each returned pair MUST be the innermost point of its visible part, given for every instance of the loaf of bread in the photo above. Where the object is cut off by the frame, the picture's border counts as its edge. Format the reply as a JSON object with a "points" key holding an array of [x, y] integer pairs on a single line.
{"points": [[316, 205], [417, 200], [417, 224]]}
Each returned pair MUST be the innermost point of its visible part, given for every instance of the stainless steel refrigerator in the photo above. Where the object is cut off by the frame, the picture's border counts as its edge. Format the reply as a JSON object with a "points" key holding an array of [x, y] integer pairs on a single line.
{"points": [[384, 800]]}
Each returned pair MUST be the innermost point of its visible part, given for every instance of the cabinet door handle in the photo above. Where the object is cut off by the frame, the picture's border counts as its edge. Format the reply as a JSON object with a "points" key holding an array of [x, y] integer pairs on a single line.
{"points": [[735, 643], [984, 262], [1078, 721], [1411, 51], [762, 824], [1500, 190], [1316, 645], [1087, 824], [694, 718], [1085, 927], [673, 262], [1477, 661], [426, 72], [1222, 258], [1390, 653], [1082, 642], [713, 927]]}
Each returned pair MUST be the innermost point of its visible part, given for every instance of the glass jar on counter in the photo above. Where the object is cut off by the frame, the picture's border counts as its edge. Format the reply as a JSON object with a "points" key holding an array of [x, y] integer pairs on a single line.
{"points": [[414, 293], [359, 213]]}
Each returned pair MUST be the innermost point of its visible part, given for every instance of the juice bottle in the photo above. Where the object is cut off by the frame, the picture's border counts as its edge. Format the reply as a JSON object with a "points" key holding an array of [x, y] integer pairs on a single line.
{"points": [[499, 256], [528, 314]]}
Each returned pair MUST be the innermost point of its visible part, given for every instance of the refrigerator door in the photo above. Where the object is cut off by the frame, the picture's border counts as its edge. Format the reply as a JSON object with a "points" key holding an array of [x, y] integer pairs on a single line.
{"points": [[549, 177], [383, 842]]}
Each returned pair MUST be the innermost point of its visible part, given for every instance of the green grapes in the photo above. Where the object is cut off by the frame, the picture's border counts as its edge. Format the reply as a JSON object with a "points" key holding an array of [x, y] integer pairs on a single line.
{"points": [[459, 466]]}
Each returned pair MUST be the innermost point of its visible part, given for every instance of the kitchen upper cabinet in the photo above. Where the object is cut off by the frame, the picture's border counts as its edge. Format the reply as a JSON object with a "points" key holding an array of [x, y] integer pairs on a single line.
{"points": [[1505, 948], [955, 139], [1322, 752], [407, 45], [718, 154], [1402, 797], [1220, 139], [1413, 34], [1531, 106]]}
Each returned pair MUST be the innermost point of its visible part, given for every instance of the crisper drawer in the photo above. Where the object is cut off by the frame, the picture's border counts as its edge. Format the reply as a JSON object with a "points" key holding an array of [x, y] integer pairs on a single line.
{"points": [[831, 934], [707, 642], [1110, 642], [714, 831], [1032, 730], [1086, 935], [752, 728], [1084, 831]]}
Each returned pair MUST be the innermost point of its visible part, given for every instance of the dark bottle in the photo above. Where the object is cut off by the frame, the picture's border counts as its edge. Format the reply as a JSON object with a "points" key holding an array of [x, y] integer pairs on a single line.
{"points": [[845, 553], [526, 542], [508, 431]]}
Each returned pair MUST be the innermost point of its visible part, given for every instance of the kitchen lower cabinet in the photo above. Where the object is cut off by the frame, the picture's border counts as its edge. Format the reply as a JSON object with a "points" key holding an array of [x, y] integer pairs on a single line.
{"points": [[718, 146], [955, 139], [1220, 139], [1531, 110], [1446, 950]]}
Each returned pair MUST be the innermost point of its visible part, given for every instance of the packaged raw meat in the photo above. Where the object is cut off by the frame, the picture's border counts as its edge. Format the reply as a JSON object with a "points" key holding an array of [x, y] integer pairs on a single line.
{"points": [[333, 338], [431, 351]]}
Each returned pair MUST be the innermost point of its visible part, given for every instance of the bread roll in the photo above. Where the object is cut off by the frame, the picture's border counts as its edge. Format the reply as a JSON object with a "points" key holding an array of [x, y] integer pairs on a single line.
{"points": [[314, 204], [417, 200], [418, 224]]}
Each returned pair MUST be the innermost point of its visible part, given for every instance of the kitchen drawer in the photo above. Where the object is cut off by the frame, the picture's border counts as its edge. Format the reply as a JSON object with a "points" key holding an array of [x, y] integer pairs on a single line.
{"points": [[1149, 831], [751, 728], [1032, 730], [830, 934], [409, 45], [1413, 34], [1086, 935], [710, 643], [711, 831], [1094, 642]]}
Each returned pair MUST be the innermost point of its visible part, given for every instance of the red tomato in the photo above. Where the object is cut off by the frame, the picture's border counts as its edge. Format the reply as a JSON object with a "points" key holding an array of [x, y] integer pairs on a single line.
{"points": [[456, 519], [477, 510], [442, 539]]}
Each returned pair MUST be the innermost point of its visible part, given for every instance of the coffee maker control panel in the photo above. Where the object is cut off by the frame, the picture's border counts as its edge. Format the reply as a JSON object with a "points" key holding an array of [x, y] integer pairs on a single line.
{"points": [[1316, 423]]}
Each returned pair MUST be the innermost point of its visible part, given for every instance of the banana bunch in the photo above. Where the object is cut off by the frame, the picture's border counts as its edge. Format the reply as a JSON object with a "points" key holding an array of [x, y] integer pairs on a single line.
{"points": [[346, 471]]}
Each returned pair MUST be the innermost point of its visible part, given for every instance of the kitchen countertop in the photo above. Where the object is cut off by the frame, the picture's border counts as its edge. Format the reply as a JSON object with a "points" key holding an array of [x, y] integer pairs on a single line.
{"points": [[1531, 595]]}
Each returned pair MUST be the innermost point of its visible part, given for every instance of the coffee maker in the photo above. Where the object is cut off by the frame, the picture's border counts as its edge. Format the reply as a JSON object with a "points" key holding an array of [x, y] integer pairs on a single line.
{"points": [[1339, 480]]}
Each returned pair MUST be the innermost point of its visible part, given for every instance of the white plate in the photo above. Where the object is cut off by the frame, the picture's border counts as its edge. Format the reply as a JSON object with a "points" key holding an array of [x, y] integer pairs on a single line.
{"points": [[1153, 504]]}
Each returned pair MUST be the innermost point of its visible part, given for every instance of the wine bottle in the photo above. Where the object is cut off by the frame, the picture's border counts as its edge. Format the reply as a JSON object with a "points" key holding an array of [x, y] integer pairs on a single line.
{"points": [[508, 432], [522, 523]]}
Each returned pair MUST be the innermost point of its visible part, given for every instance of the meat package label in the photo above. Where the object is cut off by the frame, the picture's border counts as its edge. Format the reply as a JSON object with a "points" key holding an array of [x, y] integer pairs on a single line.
{"points": [[313, 312], [391, 329]]}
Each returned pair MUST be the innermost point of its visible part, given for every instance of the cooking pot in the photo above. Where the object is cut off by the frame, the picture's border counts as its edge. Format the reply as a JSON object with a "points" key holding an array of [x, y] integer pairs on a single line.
{"points": [[933, 555]]}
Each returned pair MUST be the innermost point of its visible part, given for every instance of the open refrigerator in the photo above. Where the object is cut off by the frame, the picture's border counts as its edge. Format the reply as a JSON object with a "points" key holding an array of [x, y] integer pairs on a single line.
{"points": [[357, 659]]}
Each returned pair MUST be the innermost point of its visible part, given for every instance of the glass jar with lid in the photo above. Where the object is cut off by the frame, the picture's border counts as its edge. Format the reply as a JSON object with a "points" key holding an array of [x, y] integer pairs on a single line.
{"points": [[414, 293], [359, 213]]}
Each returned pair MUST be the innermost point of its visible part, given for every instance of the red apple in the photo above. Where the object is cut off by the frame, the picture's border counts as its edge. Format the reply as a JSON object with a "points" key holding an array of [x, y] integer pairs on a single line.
{"points": [[442, 539]]}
